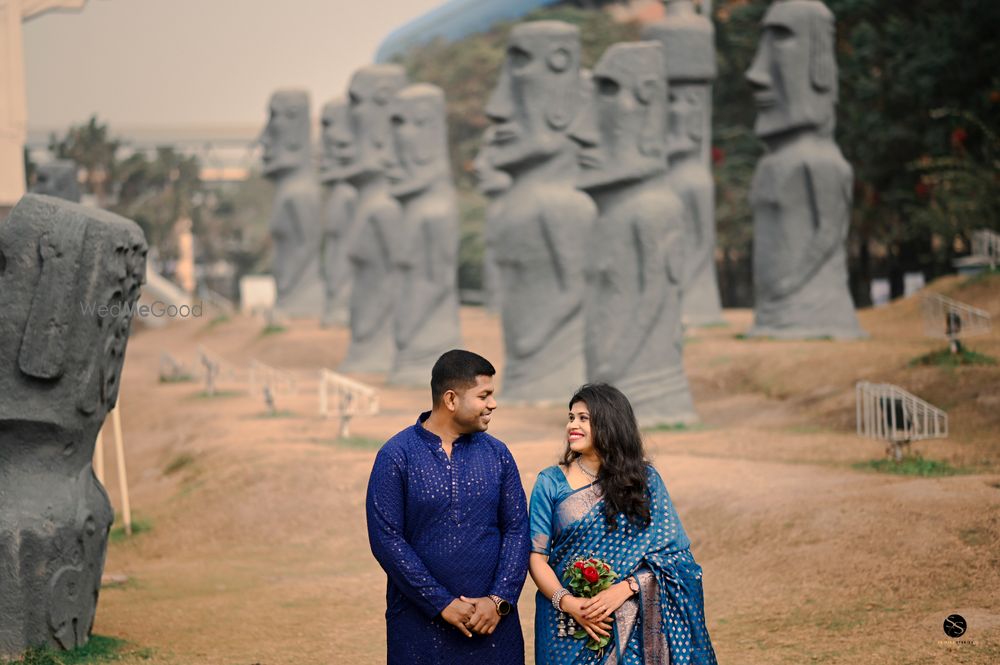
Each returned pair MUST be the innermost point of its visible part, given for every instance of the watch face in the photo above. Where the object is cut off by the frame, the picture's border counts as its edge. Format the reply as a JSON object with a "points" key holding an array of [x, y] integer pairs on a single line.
{"points": [[503, 608]]}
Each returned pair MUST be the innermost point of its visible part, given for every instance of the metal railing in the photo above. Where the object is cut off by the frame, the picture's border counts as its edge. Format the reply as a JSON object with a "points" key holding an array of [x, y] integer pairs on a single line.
{"points": [[950, 319], [347, 397], [889, 413], [986, 244]]}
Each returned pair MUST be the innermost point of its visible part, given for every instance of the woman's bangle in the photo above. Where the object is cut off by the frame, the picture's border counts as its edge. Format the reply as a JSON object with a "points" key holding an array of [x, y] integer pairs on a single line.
{"points": [[557, 597]]}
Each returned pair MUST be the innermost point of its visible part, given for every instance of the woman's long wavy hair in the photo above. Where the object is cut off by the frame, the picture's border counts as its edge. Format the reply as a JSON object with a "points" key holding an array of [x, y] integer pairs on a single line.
{"points": [[616, 438]]}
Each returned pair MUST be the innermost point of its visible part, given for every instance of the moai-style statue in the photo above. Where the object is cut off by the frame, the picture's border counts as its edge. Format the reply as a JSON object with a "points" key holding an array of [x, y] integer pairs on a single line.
{"points": [[377, 219], [57, 178], [635, 251], [338, 211], [688, 41], [801, 192], [426, 315], [542, 221], [491, 182], [69, 280], [295, 218]]}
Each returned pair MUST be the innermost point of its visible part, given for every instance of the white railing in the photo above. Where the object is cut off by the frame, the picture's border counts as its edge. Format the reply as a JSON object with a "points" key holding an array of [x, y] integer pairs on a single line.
{"points": [[951, 319], [986, 244], [889, 413], [345, 398], [279, 381]]}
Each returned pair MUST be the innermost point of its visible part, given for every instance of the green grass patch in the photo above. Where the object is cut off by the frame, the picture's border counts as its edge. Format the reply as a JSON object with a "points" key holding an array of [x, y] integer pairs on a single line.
{"points": [[910, 466], [217, 321], [985, 275], [273, 329], [177, 378], [178, 463], [945, 358], [277, 414], [671, 427], [139, 526], [100, 649], [218, 394]]}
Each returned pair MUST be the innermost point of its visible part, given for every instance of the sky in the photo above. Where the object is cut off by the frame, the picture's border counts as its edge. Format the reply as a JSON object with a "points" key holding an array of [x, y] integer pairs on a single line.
{"points": [[203, 62]]}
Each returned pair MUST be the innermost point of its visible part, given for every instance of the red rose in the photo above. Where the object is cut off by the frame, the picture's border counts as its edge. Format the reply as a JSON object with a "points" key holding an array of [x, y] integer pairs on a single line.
{"points": [[578, 565], [607, 567], [590, 574]]}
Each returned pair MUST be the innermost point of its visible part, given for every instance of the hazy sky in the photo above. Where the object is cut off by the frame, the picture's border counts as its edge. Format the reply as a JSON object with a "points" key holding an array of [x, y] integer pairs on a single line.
{"points": [[168, 62]]}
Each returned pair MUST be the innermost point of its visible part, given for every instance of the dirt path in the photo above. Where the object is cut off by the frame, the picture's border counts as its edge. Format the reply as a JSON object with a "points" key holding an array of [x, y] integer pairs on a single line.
{"points": [[258, 551]]}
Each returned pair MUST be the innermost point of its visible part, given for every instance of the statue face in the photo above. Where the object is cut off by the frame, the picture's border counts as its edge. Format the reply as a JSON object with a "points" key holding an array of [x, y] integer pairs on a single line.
{"points": [[534, 101], [686, 118], [338, 140], [286, 136], [492, 181], [370, 92], [794, 72], [621, 133], [417, 116]]}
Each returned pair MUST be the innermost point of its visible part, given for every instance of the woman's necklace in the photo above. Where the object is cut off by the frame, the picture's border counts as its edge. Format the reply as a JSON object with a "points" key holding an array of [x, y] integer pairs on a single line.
{"points": [[586, 471]]}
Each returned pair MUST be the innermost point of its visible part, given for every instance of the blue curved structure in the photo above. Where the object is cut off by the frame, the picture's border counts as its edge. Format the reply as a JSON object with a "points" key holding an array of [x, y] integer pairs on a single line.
{"points": [[453, 20]]}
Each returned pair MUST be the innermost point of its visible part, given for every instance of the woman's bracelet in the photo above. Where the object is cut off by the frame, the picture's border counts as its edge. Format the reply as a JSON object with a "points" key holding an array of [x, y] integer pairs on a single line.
{"points": [[557, 597]]}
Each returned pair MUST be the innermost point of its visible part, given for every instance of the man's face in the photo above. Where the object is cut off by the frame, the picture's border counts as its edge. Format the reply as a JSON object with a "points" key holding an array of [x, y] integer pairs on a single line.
{"points": [[782, 73], [474, 407], [338, 141], [285, 139], [534, 101]]}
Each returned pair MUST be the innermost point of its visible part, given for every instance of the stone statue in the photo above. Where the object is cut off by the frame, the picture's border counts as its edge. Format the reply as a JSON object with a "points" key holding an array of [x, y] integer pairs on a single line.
{"points": [[636, 249], [541, 223], [295, 218], [426, 258], [57, 178], [338, 211], [492, 182], [377, 219], [688, 41], [801, 192], [69, 280]]}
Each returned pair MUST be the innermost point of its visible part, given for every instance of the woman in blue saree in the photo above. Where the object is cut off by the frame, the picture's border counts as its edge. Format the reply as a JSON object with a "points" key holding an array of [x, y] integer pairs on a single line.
{"points": [[607, 502]]}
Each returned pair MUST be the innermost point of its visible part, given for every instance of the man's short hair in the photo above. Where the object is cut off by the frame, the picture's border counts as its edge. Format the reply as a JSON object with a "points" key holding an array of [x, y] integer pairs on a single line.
{"points": [[457, 370]]}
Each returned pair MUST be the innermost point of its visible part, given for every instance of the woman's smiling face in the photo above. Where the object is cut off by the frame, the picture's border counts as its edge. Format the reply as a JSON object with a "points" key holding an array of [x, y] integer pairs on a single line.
{"points": [[578, 429]]}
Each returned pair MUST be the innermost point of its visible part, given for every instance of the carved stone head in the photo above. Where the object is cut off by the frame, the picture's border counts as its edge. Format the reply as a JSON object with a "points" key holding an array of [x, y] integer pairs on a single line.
{"points": [[688, 41], [420, 139], [491, 180], [621, 133], [57, 178], [536, 97], [69, 280], [337, 139], [794, 74], [287, 135], [370, 92]]}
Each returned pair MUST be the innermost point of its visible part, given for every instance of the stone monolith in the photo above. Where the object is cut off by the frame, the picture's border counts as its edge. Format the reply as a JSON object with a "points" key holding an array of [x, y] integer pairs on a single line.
{"points": [[57, 178], [338, 211]]}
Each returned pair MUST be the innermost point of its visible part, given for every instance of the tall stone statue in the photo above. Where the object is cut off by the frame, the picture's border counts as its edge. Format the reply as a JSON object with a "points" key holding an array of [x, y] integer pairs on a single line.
{"points": [[491, 183], [69, 278], [542, 221], [801, 192], [57, 178], [338, 211], [426, 258], [688, 41], [295, 218], [377, 219], [636, 250]]}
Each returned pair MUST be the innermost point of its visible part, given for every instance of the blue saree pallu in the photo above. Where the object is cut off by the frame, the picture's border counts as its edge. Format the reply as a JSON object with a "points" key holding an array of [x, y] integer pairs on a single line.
{"points": [[665, 623]]}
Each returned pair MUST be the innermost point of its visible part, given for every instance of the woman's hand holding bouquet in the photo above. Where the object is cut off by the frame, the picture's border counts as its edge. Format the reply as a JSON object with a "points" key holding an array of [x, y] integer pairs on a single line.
{"points": [[590, 580]]}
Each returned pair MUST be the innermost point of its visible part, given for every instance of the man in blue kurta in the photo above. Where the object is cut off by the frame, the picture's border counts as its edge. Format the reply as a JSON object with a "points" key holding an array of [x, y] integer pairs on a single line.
{"points": [[448, 522]]}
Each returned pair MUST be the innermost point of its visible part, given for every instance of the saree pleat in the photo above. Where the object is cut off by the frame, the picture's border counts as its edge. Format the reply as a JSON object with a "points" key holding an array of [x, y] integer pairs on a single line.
{"points": [[665, 623]]}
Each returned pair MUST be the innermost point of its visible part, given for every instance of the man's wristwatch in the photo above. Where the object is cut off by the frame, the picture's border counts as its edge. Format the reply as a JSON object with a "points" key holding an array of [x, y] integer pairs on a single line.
{"points": [[633, 584], [503, 607]]}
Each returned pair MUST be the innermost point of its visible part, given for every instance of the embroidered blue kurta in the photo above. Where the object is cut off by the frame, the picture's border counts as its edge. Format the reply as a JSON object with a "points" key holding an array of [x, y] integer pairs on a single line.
{"points": [[441, 528]]}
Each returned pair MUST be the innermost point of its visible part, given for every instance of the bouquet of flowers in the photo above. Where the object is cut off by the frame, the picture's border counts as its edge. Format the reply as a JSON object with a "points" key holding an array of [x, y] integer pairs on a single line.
{"points": [[587, 578]]}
